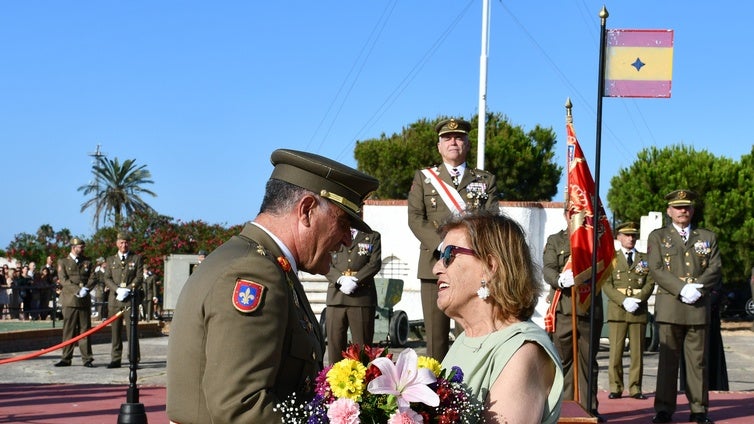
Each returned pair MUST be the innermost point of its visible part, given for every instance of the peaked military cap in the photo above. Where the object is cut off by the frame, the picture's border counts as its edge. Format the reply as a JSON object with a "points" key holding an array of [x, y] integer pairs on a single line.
{"points": [[681, 198], [77, 241], [453, 126], [342, 185], [628, 228], [124, 235]]}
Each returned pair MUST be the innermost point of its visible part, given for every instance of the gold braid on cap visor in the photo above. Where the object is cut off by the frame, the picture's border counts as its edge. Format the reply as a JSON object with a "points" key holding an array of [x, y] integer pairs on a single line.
{"points": [[340, 199]]}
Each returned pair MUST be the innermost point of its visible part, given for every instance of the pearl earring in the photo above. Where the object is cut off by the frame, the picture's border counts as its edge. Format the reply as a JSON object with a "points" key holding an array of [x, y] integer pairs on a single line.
{"points": [[483, 291]]}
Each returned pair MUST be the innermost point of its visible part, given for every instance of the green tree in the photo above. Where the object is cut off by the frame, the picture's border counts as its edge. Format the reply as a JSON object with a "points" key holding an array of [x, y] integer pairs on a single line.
{"points": [[522, 162], [27, 247], [641, 188], [117, 190]]}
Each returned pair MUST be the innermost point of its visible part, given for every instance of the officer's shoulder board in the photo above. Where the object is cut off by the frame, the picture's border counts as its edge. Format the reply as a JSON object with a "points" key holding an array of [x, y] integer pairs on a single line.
{"points": [[247, 294]]}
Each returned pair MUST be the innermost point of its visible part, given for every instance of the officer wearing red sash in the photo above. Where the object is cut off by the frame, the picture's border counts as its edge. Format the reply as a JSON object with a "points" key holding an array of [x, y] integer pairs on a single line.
{"points": [[436, 193]]}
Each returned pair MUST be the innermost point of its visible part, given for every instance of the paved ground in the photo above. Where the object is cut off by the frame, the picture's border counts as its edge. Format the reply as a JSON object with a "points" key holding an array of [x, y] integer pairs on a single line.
{"points": [[33, 391]]}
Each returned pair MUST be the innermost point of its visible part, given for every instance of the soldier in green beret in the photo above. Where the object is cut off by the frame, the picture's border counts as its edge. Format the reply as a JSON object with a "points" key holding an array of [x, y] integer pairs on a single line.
{"points": [[437, 193], [685, 263], [627, 288], [75, 278], [244, 337]]}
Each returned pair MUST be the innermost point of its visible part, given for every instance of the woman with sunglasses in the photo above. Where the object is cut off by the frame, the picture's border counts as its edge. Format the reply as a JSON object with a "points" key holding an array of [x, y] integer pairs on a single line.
{"points": [[487, 282]]}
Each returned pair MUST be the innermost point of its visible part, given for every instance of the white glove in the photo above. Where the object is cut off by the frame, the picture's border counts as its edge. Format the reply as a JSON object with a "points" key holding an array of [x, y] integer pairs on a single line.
{"points": [[122, 293], [566, 279], [690, 293], [347, 284], [83, 292], [631, 304]]}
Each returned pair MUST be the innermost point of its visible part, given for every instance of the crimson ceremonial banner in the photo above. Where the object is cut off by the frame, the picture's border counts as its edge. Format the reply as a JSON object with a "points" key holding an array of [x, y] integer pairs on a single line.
{"points": [[580, 215], [639, 63]]}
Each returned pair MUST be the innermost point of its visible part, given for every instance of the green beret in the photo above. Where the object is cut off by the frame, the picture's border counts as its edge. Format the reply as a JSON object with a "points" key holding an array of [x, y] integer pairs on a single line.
{"points": [[453, 126], [342, 185], [628, 228], [681, 198]]}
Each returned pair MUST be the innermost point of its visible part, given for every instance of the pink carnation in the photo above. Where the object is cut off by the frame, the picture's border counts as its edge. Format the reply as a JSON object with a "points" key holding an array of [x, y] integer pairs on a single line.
{"points": [[343, 411], [406, 417]]}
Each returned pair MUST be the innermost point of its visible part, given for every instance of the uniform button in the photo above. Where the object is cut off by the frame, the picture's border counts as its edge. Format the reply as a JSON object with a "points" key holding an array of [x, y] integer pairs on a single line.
{"points": [[314, 355]]}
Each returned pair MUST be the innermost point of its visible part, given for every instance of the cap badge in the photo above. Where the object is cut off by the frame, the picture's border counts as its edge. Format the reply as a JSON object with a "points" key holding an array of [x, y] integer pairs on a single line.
{"points": [[452, 125], [681, 194], [247, 295]]}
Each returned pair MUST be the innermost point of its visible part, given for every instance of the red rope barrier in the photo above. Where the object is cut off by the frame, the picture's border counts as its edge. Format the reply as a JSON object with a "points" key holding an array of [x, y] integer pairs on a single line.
{"points": [[63, 344]]}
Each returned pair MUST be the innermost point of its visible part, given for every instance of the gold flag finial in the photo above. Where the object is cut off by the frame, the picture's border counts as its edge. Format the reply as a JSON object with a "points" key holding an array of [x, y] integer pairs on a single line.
{"points": [[569, 115]]}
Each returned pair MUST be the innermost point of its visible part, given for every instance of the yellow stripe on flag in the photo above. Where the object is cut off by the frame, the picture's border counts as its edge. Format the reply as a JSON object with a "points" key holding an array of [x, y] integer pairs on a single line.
{"points": [[639, 63]]}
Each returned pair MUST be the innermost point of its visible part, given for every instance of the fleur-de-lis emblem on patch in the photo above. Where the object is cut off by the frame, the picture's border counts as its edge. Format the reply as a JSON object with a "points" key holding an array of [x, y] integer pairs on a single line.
{"points": [[247, 295]]}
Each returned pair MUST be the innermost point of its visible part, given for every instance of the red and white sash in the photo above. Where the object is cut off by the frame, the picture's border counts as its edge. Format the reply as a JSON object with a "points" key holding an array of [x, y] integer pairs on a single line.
{"points": [[448, 194]]}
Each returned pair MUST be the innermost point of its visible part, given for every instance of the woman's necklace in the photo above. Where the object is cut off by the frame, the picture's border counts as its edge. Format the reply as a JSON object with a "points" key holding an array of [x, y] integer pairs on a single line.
{"points": [[475, 348]]}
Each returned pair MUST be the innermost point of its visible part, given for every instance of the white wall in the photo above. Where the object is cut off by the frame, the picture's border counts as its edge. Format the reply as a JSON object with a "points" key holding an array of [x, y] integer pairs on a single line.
{"points": [[390, 218]]}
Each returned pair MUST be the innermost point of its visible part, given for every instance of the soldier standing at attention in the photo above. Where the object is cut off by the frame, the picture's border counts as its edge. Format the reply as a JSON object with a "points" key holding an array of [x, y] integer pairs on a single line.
{"points": [[244, 337], [627, 288], [351, 294], [554, 258], [75, 278], [685, 263], [437, 193], [123, 276]]}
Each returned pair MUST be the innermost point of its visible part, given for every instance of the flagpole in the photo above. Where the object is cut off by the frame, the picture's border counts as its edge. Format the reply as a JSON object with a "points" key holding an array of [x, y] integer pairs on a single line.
{"points": [[596, 200], [482, 113], [574, 307]]}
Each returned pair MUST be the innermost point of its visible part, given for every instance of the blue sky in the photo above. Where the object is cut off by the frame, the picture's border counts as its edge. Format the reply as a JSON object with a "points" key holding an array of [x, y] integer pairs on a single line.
{"points": [[202, 92]]}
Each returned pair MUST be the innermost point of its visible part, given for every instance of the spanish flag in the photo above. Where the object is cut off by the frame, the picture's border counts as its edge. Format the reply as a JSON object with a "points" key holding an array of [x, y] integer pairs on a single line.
{"points": [[580, 210], [639, 63]]}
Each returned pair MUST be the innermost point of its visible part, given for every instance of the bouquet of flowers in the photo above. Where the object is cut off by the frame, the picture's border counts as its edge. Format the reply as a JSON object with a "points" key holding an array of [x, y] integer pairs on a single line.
{"points": [[366, 386]]}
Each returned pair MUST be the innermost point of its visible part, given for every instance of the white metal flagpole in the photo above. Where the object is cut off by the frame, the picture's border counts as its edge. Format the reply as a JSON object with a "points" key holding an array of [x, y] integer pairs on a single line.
{"points": [[483, 84]]}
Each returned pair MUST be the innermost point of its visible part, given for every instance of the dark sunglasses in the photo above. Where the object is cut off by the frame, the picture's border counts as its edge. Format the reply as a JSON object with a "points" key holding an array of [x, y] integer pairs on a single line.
{"points": [[449, 253]]}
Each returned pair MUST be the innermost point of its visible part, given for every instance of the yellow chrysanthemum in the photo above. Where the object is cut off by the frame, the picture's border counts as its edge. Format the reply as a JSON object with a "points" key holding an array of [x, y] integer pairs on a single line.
{"points": [[346, 379], [431, 364]]}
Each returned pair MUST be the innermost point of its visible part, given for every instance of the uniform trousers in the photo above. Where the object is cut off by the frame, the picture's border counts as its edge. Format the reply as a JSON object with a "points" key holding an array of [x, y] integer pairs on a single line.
{"points": [[116, 349], [618, 332], [436, 323], [689, 341], [563, 341], [360, 319], [75, 322]]}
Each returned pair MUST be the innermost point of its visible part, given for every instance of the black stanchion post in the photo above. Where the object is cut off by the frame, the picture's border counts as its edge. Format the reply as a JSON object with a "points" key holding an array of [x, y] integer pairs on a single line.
{"points": [[133, 412]]}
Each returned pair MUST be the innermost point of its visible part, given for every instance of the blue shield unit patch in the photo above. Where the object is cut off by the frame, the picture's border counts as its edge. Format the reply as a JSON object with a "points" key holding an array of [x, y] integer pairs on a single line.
{"points": [[247, 295]]}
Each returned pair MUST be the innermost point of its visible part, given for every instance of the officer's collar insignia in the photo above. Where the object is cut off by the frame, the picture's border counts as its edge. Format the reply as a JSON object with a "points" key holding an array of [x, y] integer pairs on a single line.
{"points": [[247, 295], [284, 263]]}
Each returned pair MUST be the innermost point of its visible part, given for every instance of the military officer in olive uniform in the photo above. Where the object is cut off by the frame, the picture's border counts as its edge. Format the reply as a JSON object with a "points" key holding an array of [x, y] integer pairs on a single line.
{"points": [[556, 253], [351, 295], [244, 337], [75, 278], [685, 263], [124, 276], [150, 293], [437, 193], [627, 288]]}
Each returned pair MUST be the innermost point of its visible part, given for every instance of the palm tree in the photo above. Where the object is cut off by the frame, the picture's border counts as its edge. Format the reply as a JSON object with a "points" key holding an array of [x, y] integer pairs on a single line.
{"points": [[117, 190]]}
